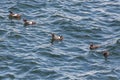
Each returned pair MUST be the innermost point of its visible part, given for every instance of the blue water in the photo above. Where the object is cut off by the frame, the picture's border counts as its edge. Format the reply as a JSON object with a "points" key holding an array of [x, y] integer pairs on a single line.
{"points": [[26, 52]]}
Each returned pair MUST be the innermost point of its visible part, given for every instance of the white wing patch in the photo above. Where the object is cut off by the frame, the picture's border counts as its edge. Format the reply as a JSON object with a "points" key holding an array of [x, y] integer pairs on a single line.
{"points": [[30, 22], [15, 14]]}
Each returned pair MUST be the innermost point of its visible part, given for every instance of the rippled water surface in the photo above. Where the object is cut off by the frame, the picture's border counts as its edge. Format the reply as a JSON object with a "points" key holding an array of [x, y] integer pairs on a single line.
{"points": [[26, 52]]}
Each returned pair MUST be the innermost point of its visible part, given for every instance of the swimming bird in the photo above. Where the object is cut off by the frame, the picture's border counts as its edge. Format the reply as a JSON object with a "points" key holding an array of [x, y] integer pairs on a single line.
{"points": [[92, 46], [26, 22], [105, 54], [14, 15], [56, 37]]}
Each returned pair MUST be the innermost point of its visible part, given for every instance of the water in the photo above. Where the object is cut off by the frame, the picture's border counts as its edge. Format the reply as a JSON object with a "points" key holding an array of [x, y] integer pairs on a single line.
{"points": [[27, 54]]}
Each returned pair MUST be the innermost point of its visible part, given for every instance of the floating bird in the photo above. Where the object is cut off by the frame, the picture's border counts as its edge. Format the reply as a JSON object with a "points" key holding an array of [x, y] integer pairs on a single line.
{"points": [[26, 22], [14, 15], [92, 46], [56, 37], [105, 54]]}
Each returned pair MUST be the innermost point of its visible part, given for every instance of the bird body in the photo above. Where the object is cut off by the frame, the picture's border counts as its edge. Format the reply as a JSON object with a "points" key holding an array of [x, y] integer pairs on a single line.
{"points": [[14, 15], [92, 46], [56, 37], [26, 22], [105, 54]]}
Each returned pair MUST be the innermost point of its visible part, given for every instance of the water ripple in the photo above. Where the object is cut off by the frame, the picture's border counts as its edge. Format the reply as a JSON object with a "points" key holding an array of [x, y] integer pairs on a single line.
{"points": [[26, 52]]}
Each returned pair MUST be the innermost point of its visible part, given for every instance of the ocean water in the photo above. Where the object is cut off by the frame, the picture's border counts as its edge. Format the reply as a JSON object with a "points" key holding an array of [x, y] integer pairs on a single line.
{"points": [[26, 52]]}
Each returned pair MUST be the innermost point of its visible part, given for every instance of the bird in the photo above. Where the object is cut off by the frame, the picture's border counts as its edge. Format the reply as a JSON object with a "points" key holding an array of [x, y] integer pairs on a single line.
{"points": [[105, 54], [26, 22], [56, 37], [92, 46], [14, 15]]}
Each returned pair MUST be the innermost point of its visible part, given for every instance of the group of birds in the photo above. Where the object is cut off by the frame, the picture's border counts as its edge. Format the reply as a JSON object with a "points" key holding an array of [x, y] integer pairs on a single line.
{"points": [[26, 22], [54, 36], [105, 53], [18, 16]]}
